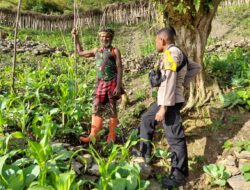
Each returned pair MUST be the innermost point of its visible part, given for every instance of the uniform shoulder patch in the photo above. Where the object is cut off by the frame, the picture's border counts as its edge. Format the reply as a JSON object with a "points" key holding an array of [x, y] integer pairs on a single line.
{"points": [[169, 63]]}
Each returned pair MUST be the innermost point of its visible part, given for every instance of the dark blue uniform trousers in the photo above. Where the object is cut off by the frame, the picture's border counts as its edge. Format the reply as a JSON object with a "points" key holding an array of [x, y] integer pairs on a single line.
{"points": [[174, 133]]}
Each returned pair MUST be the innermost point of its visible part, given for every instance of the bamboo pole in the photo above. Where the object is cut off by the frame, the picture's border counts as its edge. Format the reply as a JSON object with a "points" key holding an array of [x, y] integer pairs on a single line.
{"points": [[14, 54], [75, 53]]}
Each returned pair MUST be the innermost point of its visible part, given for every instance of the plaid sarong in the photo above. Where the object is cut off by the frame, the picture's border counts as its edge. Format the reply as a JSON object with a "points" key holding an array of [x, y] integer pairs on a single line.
{"points": [[104, 91], [104, 94]]}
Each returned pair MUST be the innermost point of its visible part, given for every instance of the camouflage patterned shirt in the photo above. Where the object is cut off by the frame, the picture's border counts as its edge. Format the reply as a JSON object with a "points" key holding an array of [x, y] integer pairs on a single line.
{"points": [[106, 63]]}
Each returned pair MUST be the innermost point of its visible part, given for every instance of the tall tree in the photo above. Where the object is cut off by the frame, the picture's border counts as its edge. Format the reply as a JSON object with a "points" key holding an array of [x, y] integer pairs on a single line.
{"points": [[192, 21]]}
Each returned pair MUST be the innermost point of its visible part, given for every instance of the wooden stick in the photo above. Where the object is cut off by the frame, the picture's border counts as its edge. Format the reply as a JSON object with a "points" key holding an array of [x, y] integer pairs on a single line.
{"points": [[75, 26], [14, 55]]}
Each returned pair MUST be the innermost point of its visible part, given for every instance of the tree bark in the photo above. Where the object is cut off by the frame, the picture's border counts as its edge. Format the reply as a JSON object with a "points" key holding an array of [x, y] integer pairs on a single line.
{"points": [[193, 29]]}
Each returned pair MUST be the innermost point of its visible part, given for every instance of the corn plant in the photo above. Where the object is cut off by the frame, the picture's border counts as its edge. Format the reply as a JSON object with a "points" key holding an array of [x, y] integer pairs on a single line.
{"points": [[44, 106], [42, 164], [115, 171], [3, 119], [41, 152], [66, 181]]}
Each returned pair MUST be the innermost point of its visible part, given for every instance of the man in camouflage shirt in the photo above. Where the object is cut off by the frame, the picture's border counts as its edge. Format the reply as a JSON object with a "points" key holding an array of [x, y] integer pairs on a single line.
{"points": [[108, 86]]}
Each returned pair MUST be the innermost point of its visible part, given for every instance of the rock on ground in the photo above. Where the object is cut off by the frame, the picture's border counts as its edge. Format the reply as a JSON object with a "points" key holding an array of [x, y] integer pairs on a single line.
{"points": [[238, 183]]}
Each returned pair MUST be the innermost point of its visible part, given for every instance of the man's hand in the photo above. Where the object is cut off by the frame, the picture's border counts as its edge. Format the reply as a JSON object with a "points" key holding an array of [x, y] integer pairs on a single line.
{"points": [[117, 91], [160, 114]]}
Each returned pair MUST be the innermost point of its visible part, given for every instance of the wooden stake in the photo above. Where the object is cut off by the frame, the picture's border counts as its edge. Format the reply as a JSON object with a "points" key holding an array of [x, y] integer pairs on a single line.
{"points": [[14, 55], [75, 26]]}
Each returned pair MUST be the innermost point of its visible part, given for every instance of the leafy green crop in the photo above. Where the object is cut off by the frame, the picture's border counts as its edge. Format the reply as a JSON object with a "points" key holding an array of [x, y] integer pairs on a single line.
{"points": [[42, 164], [165, 157], [217, 174], [115, 171], [46, 106], [228, 144], [232, 70], [243, 145], [246, 171], [13, 176]]}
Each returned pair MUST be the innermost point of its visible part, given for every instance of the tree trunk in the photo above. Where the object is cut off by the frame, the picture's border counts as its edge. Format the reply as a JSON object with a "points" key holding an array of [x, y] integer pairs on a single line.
{"points": [[193, 42], [192, 34]]}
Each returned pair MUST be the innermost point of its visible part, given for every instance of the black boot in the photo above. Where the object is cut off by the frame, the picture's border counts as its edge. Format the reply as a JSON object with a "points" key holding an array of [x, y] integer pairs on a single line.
{"points": [[176, 179]]}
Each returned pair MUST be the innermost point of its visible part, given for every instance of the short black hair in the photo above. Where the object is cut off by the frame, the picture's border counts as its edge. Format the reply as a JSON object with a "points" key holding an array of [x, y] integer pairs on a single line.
{"points": [[108, 30], [167, 32]]}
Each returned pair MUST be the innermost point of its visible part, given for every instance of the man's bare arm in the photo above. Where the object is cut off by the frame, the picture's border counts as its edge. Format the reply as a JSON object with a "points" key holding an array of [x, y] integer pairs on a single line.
{"points": [[119, 67], [88, 53], [79, 49]]}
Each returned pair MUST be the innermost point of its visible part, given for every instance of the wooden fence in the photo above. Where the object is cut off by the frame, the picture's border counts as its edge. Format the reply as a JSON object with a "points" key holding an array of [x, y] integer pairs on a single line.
{"points": [[226, 3], [115, 13]]}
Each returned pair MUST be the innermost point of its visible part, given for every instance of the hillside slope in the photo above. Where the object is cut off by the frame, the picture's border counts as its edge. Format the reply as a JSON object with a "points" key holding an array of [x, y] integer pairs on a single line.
{"points": [[58, 6]]}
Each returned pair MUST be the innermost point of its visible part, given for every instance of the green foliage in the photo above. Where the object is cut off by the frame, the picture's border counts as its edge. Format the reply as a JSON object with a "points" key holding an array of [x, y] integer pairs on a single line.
{"points": [[58, 6], [43, 6], [89, 38], [148, 47], [238, 145], [39, 165], [181, 8], [50, 89], [139, 109], [45, 106], [140, 95], [197, 4], [236, 16], [59, 39], [115, 171], [228, 144], [164, 155], [246, 171], [231, 69], [217, 125], [211, 41], [217, 174], [234, 118], [240, 96], [160, 153], [8, 4], [196, 160], [243, 145]]}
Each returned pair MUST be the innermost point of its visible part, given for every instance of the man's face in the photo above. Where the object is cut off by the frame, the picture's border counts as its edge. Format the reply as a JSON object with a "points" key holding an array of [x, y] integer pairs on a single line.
{"points": [[105, 39], [159, 43]]}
